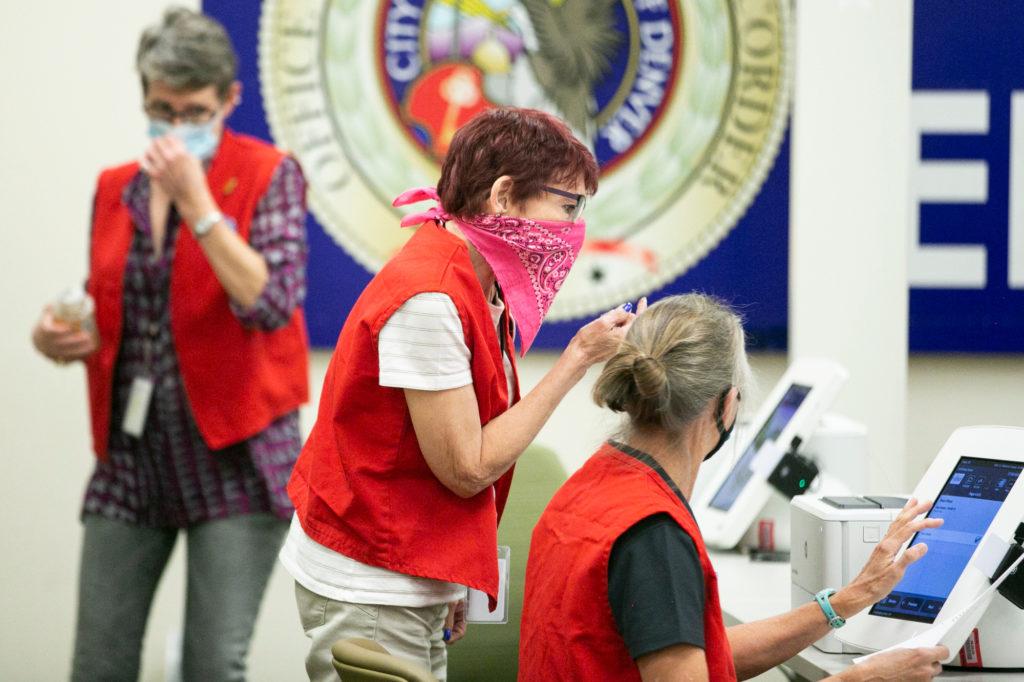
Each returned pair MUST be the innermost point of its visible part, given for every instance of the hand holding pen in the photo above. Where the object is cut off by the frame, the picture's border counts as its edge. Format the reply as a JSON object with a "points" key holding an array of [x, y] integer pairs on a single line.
{"points": [[599, 340], [641, 306]]}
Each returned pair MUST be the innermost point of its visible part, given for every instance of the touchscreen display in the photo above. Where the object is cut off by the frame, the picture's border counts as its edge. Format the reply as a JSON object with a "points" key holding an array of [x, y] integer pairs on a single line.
{"points": [[773, 426], [967, 504]]}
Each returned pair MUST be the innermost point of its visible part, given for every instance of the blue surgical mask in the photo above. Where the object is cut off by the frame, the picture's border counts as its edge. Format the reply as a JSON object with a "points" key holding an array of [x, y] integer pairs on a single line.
{"points": [[200, 139]]}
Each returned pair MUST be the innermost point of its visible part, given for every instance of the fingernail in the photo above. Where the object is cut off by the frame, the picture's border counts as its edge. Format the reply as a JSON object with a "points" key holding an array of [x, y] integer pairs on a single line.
{"points": [[628, 307], [447, 634]]}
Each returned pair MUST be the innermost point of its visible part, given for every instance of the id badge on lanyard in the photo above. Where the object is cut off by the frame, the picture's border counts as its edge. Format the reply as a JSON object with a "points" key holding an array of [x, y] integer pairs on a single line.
{"points": [[476, 603], [140, 395]]}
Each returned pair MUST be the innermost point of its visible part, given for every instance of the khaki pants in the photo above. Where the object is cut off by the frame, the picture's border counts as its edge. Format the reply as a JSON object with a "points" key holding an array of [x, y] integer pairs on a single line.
{"points": [[415, 634]]}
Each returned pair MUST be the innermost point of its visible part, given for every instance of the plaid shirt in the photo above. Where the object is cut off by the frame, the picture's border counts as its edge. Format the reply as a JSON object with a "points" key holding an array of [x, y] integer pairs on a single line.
{"points": [[169, 477]]}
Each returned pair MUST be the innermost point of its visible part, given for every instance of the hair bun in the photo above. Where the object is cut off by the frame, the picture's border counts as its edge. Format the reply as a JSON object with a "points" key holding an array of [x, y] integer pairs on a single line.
{"points": [[649, 376]]}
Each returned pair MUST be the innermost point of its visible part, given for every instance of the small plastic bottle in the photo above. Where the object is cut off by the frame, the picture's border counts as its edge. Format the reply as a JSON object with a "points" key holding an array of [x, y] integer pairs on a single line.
{"points": [[74, 307]]}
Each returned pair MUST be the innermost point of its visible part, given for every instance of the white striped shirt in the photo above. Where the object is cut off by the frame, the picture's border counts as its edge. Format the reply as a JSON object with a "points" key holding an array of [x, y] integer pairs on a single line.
{"points": [[333, 575], [421, 346]]}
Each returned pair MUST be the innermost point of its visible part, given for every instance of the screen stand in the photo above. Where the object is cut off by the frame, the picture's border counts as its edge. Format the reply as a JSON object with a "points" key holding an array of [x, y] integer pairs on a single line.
{"points": [[1013, 587]]}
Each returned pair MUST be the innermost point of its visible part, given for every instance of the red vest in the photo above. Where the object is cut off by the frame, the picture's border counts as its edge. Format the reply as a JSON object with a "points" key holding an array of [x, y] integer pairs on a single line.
{"points": [[238, 380], [361, 485], [568, 631]]}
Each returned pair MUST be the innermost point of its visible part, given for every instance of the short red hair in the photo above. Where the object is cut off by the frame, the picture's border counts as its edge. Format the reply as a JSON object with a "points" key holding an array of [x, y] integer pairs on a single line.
{"points": [[532, 147]]}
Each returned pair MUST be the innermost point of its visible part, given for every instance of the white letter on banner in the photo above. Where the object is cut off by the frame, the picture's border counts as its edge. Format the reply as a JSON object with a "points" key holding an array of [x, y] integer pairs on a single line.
{"points": [[946, 266]]}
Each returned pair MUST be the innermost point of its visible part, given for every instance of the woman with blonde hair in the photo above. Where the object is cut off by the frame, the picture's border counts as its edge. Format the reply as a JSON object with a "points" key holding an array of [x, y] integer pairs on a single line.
{"points": [[619, 584]]}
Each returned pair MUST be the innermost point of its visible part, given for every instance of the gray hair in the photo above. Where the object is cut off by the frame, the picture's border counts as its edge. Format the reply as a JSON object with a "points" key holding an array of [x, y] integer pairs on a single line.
{"points": [[187, 51], [679, 355]]}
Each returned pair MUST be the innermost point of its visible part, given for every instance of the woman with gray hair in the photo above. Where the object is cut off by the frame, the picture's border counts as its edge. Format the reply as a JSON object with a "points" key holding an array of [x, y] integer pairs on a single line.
{"points": [[197, 364], [619, 585]]}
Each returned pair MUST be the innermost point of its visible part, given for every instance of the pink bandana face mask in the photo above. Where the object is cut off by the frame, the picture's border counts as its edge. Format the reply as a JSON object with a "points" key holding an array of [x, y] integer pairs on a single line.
{"points": [[530, 258]]}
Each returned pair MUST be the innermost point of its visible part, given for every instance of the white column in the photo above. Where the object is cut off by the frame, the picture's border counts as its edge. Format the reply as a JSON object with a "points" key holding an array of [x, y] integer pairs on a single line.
{"points": [[850, 210]]}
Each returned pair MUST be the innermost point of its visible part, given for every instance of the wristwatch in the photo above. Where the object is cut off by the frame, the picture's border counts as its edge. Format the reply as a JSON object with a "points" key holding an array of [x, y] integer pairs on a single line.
{"points": [[206, 223], [834, 620]]}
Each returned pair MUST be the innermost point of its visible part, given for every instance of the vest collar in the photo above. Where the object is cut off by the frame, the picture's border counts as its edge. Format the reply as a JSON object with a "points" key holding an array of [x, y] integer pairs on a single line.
{"points": [[649, 460]]}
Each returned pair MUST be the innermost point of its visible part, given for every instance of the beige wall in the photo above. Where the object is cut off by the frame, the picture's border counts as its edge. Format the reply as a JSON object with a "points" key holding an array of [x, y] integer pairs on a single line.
{"points": [[71, 106], [949, 391]]}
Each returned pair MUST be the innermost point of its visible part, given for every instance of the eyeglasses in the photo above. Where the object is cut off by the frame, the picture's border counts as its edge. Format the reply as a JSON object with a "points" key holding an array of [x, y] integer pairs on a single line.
{"points": [[196, 115], [580, 199]]}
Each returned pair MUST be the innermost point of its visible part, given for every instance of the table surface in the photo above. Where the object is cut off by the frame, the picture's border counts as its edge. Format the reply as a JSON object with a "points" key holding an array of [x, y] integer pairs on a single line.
{"points": [[752, 590]]}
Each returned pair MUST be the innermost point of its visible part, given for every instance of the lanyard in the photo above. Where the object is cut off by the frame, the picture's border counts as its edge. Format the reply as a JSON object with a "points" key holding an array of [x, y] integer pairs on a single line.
{"points": [[150, 325], [505, 325]]}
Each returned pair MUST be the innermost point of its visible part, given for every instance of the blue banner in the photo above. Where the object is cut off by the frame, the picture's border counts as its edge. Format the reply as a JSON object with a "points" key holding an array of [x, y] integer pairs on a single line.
{"points": [[966, 269], [967, 87]]}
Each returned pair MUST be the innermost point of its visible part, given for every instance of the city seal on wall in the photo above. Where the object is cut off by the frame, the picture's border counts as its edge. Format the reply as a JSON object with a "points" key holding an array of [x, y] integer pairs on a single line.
{"points": [[683, 103]]}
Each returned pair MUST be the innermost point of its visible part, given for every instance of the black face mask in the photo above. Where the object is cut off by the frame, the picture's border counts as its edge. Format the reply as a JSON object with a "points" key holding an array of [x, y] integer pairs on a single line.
{"points": [[723, 433]]}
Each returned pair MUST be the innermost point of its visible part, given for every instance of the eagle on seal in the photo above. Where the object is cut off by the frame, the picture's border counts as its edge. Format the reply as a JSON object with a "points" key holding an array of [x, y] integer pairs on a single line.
{"points": [[570, 50]]}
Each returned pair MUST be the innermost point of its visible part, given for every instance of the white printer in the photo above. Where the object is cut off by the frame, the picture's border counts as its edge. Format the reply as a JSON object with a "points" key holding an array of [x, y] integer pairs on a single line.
{"points": [[839, 448], [832, 538]]}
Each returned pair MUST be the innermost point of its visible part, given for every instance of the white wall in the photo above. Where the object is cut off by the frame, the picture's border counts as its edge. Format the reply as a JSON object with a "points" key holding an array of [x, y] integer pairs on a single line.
{"points": [[71, 106]]}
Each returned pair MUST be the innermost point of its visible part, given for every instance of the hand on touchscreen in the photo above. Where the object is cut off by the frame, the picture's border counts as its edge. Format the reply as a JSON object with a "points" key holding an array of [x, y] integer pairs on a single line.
{"points": [[902, 664], [884, 569]]}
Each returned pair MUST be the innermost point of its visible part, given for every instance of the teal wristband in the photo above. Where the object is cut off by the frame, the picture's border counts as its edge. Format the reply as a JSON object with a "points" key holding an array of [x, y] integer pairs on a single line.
{"points": [[834, 620]]}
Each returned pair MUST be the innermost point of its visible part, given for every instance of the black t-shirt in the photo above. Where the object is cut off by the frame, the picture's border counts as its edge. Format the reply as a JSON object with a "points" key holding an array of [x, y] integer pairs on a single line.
{"points": [[655, 580]]}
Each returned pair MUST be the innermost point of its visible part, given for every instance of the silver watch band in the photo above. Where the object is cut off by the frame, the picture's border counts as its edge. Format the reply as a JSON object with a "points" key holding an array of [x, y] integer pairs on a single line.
{"points": [[206, 223]]}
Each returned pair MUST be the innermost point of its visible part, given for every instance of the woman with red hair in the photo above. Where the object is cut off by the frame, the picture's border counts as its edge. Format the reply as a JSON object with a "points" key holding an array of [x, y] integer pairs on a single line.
{"points": [[400, 485]]}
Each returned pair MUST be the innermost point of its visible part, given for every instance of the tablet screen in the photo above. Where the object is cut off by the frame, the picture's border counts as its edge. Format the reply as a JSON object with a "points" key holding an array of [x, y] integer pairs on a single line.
{"points": [[968, 502], [773, 426]]}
